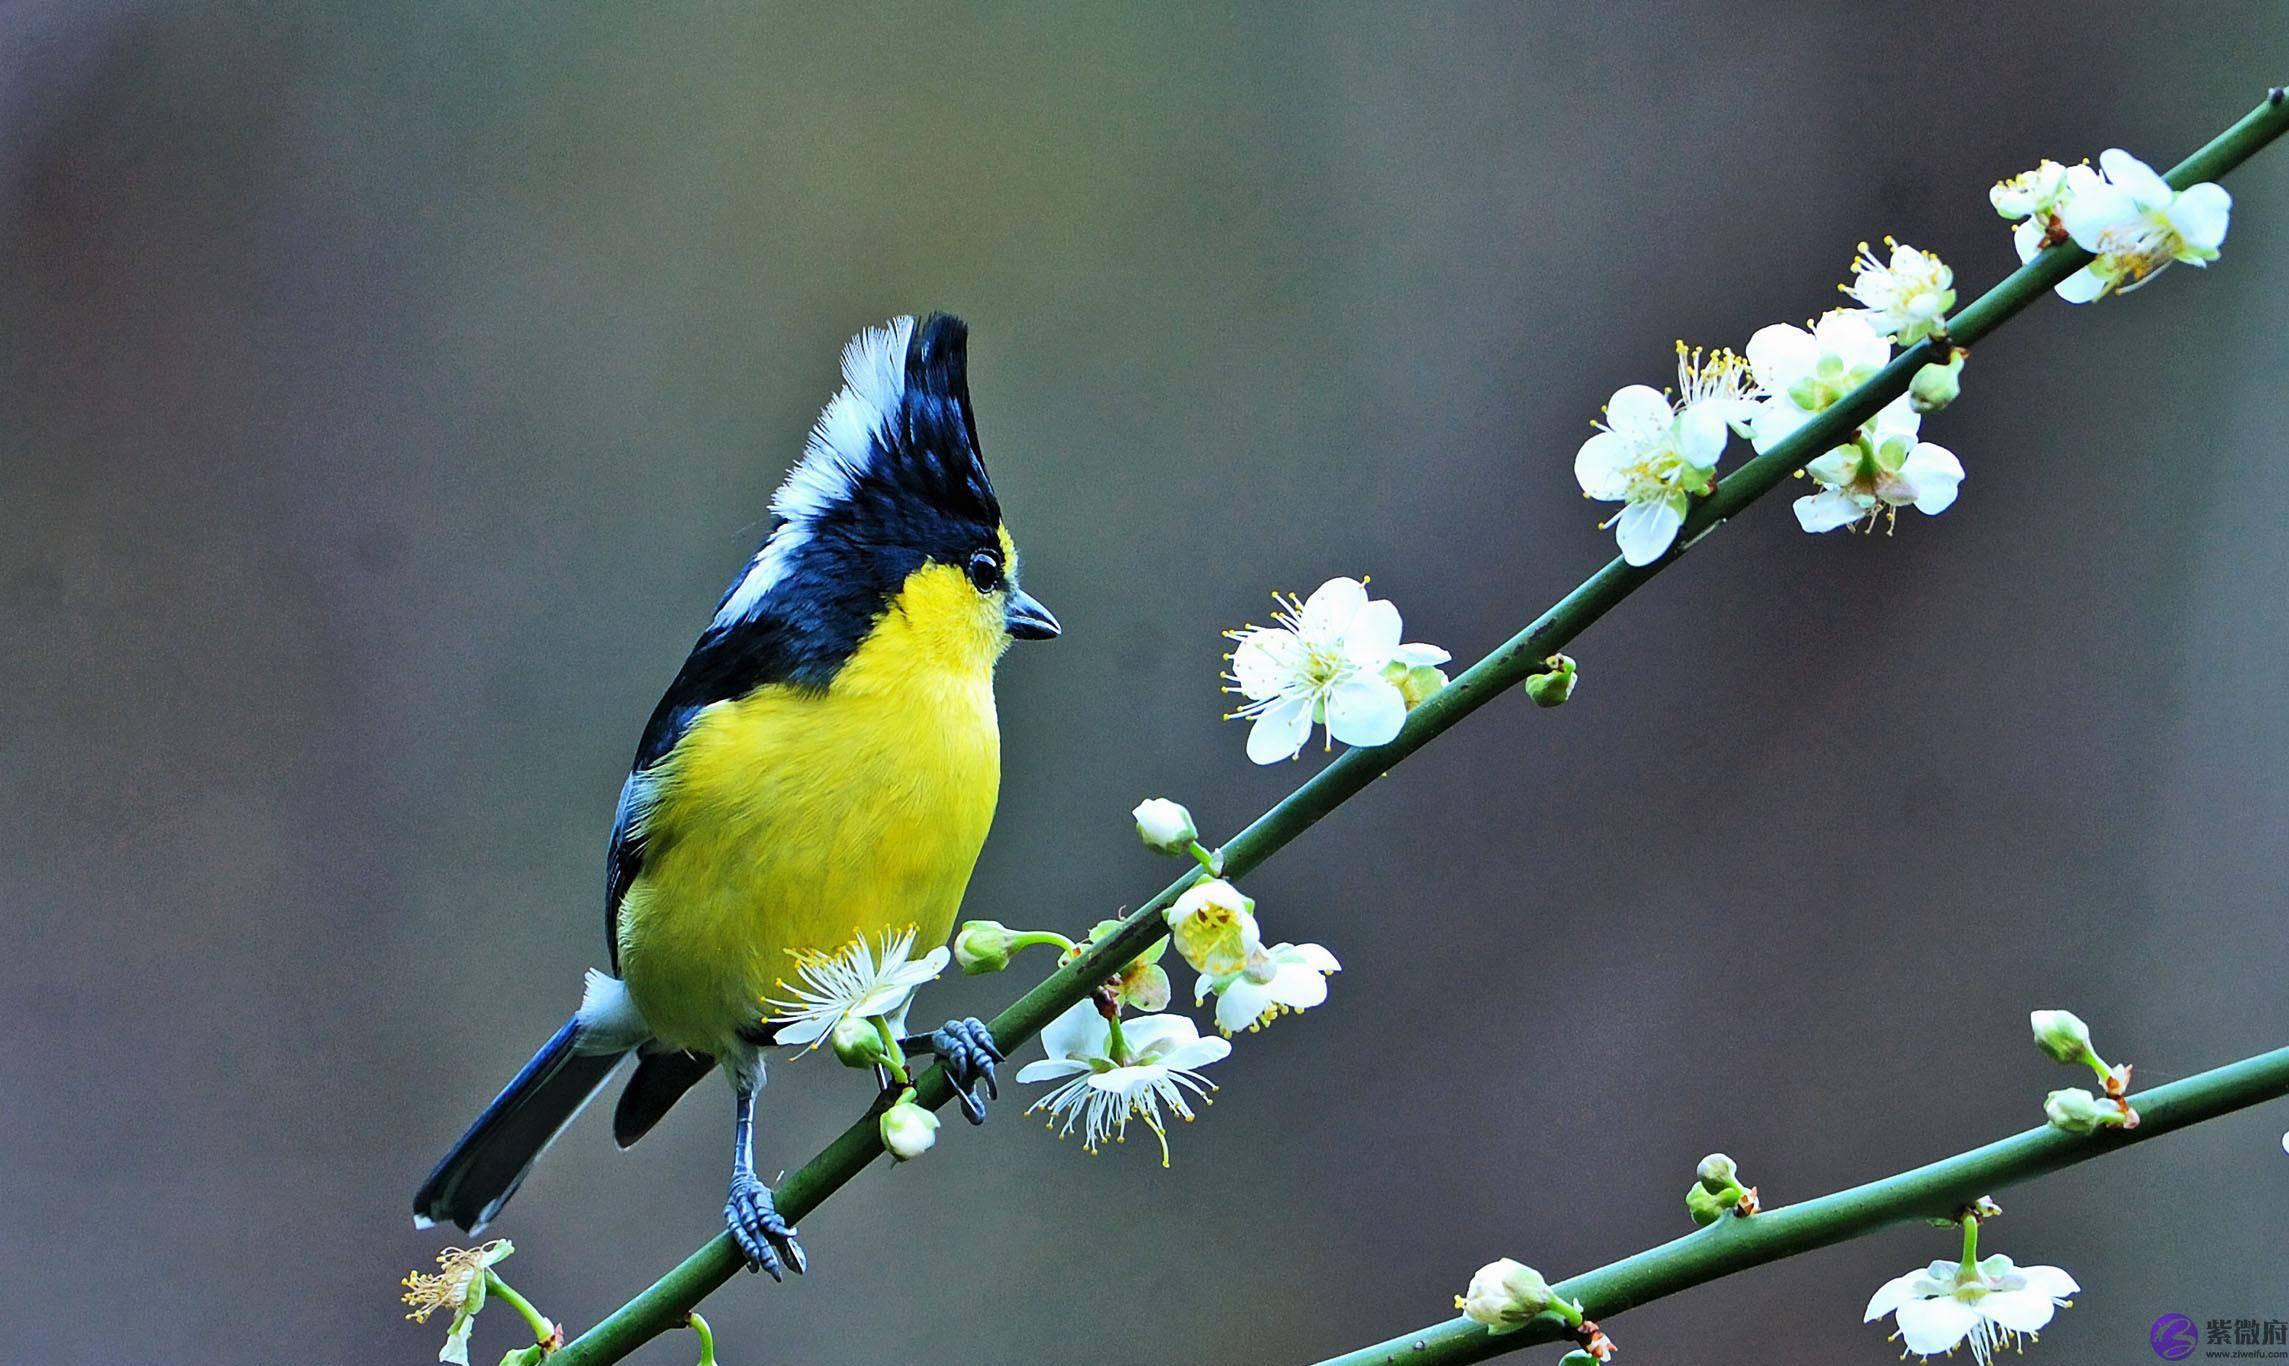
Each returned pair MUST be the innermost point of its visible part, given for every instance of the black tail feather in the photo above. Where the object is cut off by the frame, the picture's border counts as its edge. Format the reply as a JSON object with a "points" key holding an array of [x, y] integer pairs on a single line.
{"points": [[660, 1081], [485, 1168]]}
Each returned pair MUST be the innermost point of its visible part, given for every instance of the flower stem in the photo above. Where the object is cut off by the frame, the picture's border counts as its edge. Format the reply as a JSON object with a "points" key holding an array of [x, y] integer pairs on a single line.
{"points": [[1032, 938], [706, 1337], [1940, 1190], [543, 1331], [664, 1304], [893, 1057], [1970, 1267]]}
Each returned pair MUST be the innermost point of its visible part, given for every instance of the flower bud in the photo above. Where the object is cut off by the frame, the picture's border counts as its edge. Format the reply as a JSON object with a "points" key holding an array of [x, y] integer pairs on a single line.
{"points": [[983, 946], [1504, 1295], [908, 1130], [1716, 1173], [1551, 689], [2061, 1034], [2077, 1111], [1165, 826], [1936, 386], [1707, 1206], [1214, 927], [858, 1043]]}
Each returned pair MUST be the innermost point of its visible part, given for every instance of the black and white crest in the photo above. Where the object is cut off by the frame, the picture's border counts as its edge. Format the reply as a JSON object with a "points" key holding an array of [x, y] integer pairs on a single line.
{"points": [[892, 464]]}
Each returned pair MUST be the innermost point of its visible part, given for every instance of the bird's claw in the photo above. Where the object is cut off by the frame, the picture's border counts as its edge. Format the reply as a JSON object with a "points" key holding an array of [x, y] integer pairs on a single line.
{"points": [[766, 1239], [968, 1050]]}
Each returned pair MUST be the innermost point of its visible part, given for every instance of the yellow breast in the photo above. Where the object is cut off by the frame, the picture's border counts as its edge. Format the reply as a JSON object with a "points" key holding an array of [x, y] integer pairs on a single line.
{"points": [[787, 822]]}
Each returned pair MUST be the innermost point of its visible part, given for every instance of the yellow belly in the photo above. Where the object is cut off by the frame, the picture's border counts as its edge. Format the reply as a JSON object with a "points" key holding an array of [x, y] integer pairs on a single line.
{"points": [[786, 823]]}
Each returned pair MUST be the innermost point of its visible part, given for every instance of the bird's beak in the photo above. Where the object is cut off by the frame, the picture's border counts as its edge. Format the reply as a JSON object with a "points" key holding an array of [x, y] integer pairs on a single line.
{"points": [[1027, 619]]}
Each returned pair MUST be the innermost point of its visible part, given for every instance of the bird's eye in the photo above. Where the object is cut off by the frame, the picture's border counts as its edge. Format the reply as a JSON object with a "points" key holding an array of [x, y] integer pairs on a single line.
{"points": [[985, 571]]}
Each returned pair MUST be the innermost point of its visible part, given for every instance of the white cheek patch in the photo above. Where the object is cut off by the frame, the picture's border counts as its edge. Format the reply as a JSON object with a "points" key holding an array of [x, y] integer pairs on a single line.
{"points": [[835, 457]]}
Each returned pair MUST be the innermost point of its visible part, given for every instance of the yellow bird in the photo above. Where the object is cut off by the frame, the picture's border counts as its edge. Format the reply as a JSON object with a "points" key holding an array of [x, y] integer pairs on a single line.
{"points": [[823, 769]]}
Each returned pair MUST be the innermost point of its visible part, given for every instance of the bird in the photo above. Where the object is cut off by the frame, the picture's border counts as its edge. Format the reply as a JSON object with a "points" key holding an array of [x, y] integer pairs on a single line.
{"points": [[822, 769]]}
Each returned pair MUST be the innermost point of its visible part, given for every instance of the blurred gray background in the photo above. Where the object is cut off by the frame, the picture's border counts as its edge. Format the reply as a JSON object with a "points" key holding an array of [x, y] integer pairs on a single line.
{"points": [[387, 391]]}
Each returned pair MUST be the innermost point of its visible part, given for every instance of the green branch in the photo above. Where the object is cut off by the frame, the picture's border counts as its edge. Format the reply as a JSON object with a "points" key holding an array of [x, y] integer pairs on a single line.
{"points": [[664, 1305], [1936, 1191]]}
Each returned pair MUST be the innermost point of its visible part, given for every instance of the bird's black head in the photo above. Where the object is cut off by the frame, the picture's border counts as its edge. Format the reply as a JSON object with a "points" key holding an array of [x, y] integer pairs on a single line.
{"points": [[889, 510]]}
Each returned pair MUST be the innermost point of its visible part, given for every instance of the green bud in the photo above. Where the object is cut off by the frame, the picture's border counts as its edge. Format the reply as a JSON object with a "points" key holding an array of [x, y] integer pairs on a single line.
{"points": [[1551, 689], [858, 1043], [1415, 683], [1578, 1357], [983, 946], [1165, 827], [1707, 1206], [2061, 1034], [2077, 1111], [1717, 1173], [908, 1130], [1936, 386]]}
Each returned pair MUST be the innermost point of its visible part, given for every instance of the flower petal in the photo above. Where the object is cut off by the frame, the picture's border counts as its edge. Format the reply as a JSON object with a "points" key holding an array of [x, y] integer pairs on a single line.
{"points": [[1646, 530], [1891, 1295], [1078, 1033], [2028, 238], [1193, 1056], [1638, 412], [1049, 1069], [1701, 433], [1930, 1327], [2049, 1280], [1266, 662], [1153, 1037], [2134, 178], [2200, 216], [1415, 653], [1602, 465], [1780, 355], [1777, 419], [2021, 1311], [1846, 333], [1372, 635], [1933, 472], [1327, 613], [1827, 510], [2090, 215], [1365, 710], [1281, 729], [2083, 286]]}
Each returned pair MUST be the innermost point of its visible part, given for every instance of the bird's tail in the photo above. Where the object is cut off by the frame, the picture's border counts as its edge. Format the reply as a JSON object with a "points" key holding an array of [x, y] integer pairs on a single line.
{"points": [[491, 1160]]}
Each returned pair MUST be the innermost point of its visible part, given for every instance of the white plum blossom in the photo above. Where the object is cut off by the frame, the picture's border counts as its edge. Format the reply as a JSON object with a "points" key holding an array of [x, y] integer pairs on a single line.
{"points": [[1802, 372], [1322, 663], [853, 983], [1285, 977], [1906, 299], [1213, 925], [2132, 221], [1941, 1307], [1105, 1083], [2031, 194], [1885, 468], [1655, 456]]}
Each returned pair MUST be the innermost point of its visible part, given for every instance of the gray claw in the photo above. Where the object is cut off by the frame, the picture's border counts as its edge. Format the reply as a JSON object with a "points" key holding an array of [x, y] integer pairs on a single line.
{"points": [[762, 1235]]}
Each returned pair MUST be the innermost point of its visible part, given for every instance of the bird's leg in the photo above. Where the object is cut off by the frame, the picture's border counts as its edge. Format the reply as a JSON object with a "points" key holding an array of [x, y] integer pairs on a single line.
{"points": [[750, 1214], [969, 1052]]}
